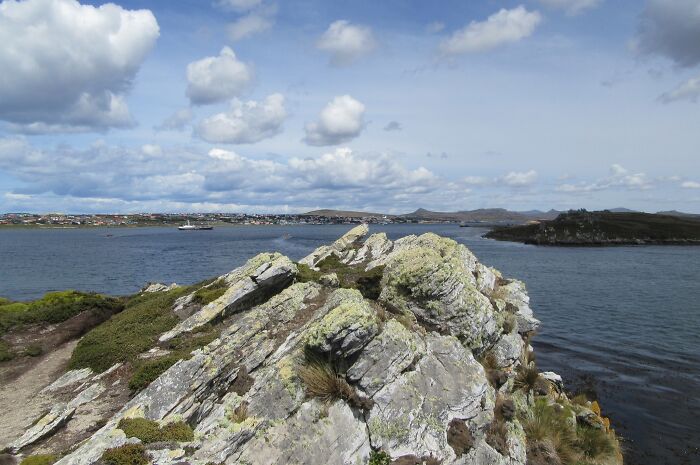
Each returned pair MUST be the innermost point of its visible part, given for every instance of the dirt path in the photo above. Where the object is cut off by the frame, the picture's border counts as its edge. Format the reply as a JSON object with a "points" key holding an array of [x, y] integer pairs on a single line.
{"points": [[20, 401]]}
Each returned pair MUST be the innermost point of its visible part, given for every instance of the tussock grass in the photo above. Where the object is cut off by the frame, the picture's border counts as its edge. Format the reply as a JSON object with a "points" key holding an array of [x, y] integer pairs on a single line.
{"points": [[324, 383], [527, 378]]}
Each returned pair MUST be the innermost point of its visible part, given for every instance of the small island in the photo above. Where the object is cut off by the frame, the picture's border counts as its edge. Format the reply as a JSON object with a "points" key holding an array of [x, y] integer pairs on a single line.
{"points": [[599, 228]]}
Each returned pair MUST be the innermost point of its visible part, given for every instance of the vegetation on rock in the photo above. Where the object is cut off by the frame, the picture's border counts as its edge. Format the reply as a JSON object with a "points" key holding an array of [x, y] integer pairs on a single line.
{"points": [[40, 459], [211, 292], [149, 431], [379, 458], [128, 454]]}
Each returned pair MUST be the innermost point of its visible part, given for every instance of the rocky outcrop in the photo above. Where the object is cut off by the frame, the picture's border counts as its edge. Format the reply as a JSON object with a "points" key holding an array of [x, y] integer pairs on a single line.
{"points": [[313, 373]]}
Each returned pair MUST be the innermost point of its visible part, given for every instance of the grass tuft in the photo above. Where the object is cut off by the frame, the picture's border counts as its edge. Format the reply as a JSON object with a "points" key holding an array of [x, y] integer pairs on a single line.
{"points": [[527, 378], [379, 458], [324, 383]]}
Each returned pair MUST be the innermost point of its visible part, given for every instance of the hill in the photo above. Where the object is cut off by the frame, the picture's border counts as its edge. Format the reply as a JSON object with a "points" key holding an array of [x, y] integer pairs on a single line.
{"points": [[329, 213], [483, 215], [604, 228]]}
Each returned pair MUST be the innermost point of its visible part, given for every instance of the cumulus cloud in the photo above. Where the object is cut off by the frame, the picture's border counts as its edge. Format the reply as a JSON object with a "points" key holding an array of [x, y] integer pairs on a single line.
{"points": [[393, 126], [690, 185], [346, 42], [66, 66], [435, 27], [255, 22], [177, 121], [619, 178], [175, 178], [519, 179], [245, 122], [341, 120], [503, 27], [671, 29], [689, 90], [571, 7], [216, 79]]}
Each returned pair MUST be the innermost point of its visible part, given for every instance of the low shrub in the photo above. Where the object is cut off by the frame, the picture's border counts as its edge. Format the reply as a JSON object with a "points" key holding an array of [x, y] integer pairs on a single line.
{"points": [[128, 454], [5, 352], [354, 277], [306, 274], [39, 459], [596, 443], [147, 371], [56, 307], [379, 458], [33, 350], [149, 431], [127, 334]]}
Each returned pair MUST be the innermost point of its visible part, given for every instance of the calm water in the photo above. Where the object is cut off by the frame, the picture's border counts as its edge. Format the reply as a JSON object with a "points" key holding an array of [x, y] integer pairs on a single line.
{"points": [[622, 321]]}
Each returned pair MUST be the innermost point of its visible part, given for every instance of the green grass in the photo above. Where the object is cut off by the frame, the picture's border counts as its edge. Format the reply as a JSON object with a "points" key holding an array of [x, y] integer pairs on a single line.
{"points": [[149, 431], [206, 295], [306, 274], [379, 458], [55, 307], [129, 333], [354, 277], [128, 454]]}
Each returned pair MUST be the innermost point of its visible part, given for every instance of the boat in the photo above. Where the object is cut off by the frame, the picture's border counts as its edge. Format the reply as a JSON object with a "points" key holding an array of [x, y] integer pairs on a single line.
{"points": [[194, 227]]}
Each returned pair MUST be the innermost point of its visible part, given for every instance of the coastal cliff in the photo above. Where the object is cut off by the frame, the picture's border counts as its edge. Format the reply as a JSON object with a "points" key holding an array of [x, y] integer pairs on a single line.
{"points": [[367, 351]]}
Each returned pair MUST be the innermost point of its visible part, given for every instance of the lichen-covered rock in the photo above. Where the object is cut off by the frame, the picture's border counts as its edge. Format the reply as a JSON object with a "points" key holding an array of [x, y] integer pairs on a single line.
{"points": [[508, 351], [433, 279], [372, 249], [345, 330], [514, 293], [263, 274], [342, 248], [411, 414]]}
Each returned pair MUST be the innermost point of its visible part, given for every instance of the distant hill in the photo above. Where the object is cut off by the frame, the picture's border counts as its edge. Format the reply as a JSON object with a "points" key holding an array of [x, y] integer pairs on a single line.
{"points": [[328, 213], [482, 215], [677, 213], [604, 228]]}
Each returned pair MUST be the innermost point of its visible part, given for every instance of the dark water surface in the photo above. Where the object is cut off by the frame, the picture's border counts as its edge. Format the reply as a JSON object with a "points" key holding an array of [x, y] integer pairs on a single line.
{"points": [[624, 321]]}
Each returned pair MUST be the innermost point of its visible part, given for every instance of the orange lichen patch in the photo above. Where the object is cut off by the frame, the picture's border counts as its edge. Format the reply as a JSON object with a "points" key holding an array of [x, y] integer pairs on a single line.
{"points": [[595, 407], [606, 423]]}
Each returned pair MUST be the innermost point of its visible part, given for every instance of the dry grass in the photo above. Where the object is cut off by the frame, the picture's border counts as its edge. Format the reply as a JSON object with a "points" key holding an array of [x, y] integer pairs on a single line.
{"points": [[324, 383], [527, 378], [240, 413]]}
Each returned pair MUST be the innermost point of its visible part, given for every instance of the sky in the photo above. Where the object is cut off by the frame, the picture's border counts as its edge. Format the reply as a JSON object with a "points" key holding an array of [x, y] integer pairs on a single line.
{"points": [[287, 106]]}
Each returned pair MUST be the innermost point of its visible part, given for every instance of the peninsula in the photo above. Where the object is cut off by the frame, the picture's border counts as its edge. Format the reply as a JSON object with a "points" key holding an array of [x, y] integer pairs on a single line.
{"points": [[583, 228], [367, 351]]}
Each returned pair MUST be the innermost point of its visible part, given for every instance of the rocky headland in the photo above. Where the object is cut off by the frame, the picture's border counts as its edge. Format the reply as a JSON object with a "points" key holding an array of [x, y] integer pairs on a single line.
{"points": [[367, 351], [583, 228]]}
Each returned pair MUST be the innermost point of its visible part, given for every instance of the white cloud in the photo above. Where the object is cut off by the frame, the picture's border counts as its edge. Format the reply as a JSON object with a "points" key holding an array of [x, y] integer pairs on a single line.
{"points": [[216, 79], [346, 42], [257, 21], [66, 66], [237, 5], [689, 90], [671, 29], [690, 185], [245, 122], [177, 121], [341, 120], [619, 177], [435, 27], [519, 179], [476, 180], [503, 27], [571, 7], [151, 149]]}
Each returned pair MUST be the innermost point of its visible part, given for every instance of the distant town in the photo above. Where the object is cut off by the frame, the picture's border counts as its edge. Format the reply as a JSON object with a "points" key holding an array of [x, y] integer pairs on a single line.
{"points": [[60, 220]]}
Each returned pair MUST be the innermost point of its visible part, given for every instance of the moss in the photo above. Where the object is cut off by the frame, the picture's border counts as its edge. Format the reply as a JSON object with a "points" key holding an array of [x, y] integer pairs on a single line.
{"points": [[306, 274], [150, 431], [148, 371], [40, 459], [379, 458], [211, 292], [56, 307], [129, 454], [127, 334]]}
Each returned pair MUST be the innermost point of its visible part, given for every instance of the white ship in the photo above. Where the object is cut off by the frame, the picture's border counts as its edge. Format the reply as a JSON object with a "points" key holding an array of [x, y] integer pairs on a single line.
{"points": [[194, 227]]}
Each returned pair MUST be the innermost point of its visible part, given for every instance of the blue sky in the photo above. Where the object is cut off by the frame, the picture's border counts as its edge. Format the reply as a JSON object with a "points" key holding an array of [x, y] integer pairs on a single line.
{"points": [[258, 106]]}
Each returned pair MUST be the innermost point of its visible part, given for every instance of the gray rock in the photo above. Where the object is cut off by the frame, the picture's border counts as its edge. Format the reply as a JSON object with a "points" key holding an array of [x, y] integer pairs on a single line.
{"points": [[262, 274], [508, 351], [342, 248]]}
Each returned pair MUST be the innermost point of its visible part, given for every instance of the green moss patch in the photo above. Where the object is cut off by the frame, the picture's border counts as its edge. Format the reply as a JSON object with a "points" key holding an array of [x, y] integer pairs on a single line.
{"points": [[40, 459], [353, 277], [150, 431], [210, 293], [129, 454]]}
